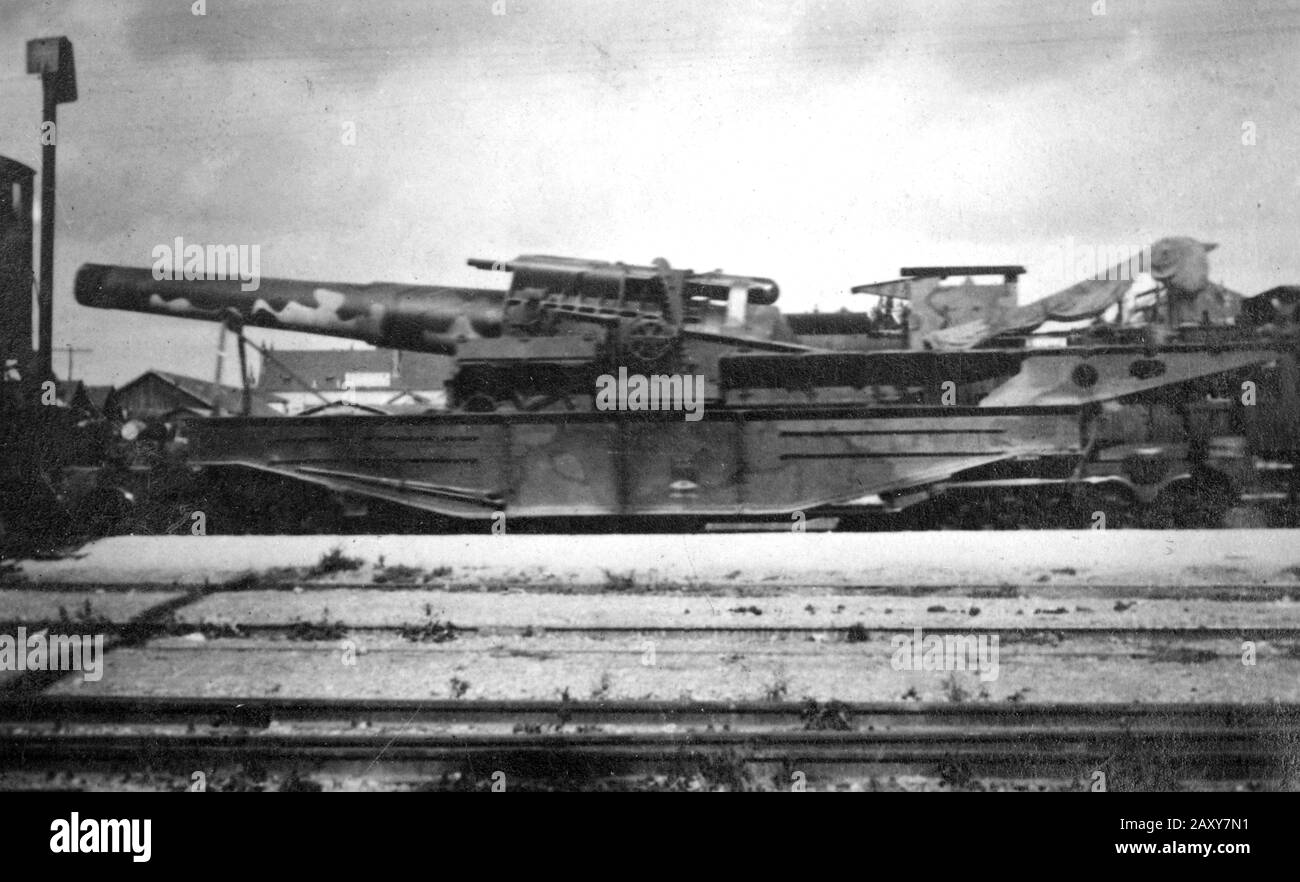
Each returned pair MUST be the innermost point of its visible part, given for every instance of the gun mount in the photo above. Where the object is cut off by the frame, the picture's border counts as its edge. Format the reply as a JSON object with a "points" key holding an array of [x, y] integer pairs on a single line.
{"points": [[561, 323], [806, 412], [944, 413]]}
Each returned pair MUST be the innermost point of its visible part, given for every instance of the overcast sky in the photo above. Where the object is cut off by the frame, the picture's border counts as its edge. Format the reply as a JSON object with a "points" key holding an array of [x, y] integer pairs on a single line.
{"points": [[823, 144]]}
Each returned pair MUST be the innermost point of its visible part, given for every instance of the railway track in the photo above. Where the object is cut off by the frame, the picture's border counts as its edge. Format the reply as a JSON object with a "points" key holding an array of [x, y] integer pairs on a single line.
{"points": [[259, 712], [532, 743], [727, 669]]}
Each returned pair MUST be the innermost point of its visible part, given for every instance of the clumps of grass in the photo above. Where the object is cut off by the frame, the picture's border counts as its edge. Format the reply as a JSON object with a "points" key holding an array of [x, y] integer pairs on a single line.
{"points": [[248, 581], [726, 771], [601, 691], [832, 716], [322, 630], [85, 620], [397, 573], [334, 561], [751, 609], [777, 689], [858, 633], [457, 687], [252, 777], [294, 783], [619, 581], [954, 690], [209, 630], [432, 631]]}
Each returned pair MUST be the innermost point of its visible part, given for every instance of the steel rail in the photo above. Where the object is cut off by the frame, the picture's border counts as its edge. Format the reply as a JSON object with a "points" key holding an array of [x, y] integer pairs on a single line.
{"points": [[1214, 751], [261, 712]]}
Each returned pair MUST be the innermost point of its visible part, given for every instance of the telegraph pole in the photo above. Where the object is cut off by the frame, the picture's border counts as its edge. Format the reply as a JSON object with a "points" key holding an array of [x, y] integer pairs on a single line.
{"points": [[51, 57], [70, 349]]}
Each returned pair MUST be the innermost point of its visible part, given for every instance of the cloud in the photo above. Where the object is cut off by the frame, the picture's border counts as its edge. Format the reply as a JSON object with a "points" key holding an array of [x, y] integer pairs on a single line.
{"points": [[823, 143]]}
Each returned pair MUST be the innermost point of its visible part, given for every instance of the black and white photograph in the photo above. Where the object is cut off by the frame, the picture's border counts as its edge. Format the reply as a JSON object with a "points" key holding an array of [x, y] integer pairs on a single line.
{"points": [[513, 396]]}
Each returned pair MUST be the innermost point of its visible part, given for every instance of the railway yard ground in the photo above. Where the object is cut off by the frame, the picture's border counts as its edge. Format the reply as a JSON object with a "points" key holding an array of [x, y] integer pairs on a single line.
{"points": [[1089, 660]]}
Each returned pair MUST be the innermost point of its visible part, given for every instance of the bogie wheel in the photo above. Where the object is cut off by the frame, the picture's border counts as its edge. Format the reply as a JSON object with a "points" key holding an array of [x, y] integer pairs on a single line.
{"points": [[1110, 507], [1200, 502]]}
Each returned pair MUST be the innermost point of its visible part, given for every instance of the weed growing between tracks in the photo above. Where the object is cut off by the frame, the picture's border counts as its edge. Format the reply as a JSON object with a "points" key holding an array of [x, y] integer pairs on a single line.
{"points": [[335, 562], [833, 715], [777, 689], [432, 631], [84, 621], [560, 772], [857, 633], [322, 630], [619, 581]]}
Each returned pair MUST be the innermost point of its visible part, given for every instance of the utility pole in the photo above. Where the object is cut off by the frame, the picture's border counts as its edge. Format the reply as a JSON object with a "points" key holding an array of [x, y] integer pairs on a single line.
{"points": [[70, 349], [218, 395], [51, 57]]}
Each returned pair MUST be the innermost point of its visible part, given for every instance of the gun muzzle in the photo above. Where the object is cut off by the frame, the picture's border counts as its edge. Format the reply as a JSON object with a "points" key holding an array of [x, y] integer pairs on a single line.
{"points": [[414, 317]]}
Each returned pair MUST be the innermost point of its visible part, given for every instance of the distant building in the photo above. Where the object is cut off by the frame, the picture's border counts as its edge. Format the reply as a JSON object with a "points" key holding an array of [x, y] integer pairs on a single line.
{"points": [[76, 396], [384, 379], [99, 397], [161, 394]]}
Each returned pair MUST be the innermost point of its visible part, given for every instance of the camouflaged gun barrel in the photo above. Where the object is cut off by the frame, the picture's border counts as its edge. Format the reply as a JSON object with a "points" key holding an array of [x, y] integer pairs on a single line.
{"points": [[421, 318]]}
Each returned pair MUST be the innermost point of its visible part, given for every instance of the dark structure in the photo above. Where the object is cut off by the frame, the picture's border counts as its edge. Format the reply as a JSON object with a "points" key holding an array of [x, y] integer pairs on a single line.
{"points": [[648, 396], [589, 393]]}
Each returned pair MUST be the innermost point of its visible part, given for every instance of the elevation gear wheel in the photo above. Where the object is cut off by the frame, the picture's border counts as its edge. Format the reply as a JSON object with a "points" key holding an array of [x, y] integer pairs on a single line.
{"points": [[648, 339]]}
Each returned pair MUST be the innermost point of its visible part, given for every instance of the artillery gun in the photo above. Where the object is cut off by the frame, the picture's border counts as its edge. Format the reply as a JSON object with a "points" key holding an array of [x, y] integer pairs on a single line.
{"points": [[590, 394], [950, 414]]}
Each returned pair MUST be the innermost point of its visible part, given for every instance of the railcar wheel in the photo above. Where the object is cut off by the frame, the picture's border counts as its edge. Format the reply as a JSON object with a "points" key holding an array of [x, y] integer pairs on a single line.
{"points": [[1200, 502], [1115, 504]]}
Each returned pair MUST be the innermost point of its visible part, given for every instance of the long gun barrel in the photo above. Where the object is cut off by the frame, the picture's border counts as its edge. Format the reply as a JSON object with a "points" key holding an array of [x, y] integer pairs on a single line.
{"points": [[414, 317]]}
